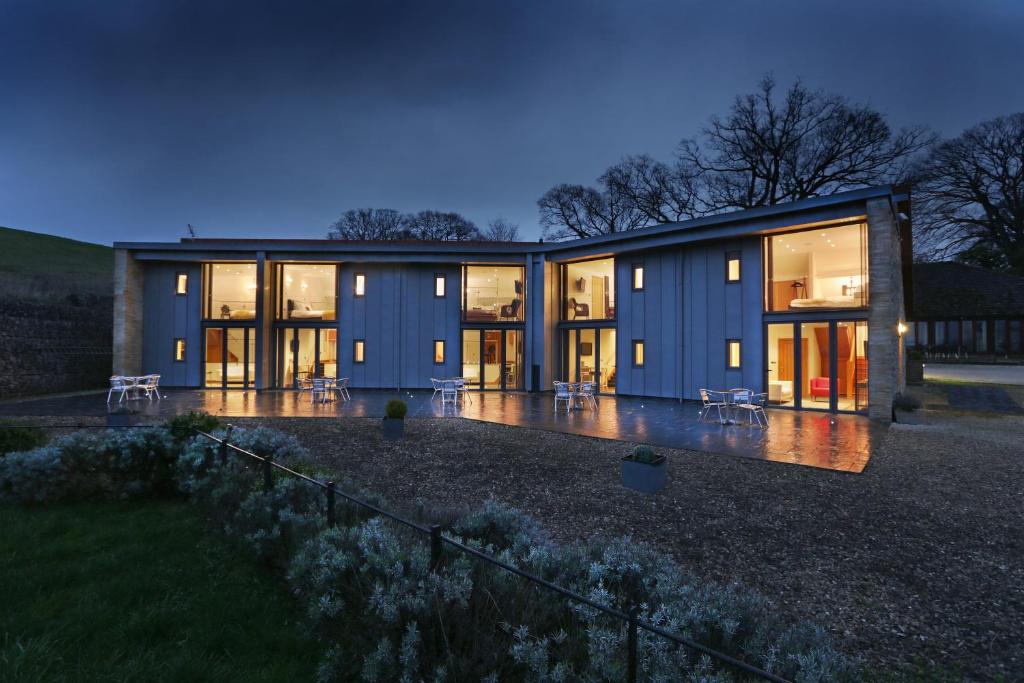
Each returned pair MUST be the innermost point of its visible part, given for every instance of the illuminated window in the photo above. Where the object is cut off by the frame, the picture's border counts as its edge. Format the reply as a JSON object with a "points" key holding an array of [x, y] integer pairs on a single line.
{"points": [[732, 266], [360, 284], [821, 268], [307, 291], [229, 291], [588, 290], [492, 294], [438, 351], [358, 351], [179, 349], [638, 278], [439, 285], [638, 353], [732, 353], [181, 283]]}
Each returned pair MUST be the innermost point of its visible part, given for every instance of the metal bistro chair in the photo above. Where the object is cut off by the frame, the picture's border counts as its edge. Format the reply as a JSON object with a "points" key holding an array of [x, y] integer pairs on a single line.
{"points": [[151, 385], [460, 386], [341, 386], [449, 394], [118, 383], [713, 401], [754, 407], [318, 388], [586, 394], [563, 392], [436, 383]]}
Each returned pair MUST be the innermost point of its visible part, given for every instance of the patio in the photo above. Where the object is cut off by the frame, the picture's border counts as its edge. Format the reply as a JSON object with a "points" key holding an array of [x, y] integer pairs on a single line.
{"points": [[834, 442]]}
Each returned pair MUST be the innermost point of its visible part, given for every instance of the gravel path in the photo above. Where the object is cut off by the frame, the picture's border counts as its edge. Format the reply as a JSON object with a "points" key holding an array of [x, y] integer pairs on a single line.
{"points": [[913, 565]]}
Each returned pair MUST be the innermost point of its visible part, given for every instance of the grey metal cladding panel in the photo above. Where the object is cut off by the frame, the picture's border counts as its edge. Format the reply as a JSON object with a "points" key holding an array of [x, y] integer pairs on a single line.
{"points": [[753, 304], [167, 316]]}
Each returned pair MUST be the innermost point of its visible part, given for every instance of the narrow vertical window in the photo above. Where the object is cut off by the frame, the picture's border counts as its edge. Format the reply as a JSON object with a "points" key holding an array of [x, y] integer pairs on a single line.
{"points": [[360, 285], [179, 349], [439, 285], [438, 352], [638, 353], [732, 266], [732, 353], [181, 283], [358, 351], [638, 278]]}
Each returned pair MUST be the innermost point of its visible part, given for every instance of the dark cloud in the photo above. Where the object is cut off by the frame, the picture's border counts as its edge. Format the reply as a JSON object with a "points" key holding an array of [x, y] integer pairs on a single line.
{"points": [[127, 120]]}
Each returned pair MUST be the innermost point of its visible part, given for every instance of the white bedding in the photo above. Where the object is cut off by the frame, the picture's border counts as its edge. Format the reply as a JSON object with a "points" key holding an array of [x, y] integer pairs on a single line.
{"points": [[309, 313], [827, 302]]}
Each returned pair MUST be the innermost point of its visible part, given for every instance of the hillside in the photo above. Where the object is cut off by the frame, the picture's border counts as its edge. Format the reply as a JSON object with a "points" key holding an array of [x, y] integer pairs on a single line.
{"points": [[35, 266], [56, 312]]}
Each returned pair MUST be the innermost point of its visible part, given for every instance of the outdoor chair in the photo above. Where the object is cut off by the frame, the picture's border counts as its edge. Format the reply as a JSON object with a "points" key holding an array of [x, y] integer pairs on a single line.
{"points": [[304, 383], [713, 401], [564, 393], [341, 386], [118, 384], [586, 394], [437, 384], [318, 388], [460, 387], [449, 394], [150, 384], [754, 407]]}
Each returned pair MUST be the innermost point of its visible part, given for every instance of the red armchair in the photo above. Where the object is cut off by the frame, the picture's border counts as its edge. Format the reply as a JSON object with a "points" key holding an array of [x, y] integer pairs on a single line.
{"points": [[819, 388]]}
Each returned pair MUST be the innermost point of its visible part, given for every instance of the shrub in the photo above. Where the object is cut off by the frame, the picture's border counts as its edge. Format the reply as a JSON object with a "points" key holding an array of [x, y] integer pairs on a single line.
{"points": [[183, 427], [20, 438], [395, 409], [644, 453], [907, 402]]}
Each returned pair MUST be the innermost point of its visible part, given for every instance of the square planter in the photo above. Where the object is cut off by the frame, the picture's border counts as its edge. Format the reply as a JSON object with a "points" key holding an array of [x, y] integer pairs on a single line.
{"points": [[642, 476], [393, 428], [915, 371]]}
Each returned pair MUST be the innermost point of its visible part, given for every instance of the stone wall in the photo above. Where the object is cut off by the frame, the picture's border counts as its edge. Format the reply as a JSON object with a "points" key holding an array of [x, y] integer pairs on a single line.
{"points": [[49, 348], [127, 314], [885, 350]]}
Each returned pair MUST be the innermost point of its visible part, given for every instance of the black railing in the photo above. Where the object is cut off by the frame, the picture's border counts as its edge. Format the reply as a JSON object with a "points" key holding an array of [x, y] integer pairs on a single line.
{"points": [[439, 540]]}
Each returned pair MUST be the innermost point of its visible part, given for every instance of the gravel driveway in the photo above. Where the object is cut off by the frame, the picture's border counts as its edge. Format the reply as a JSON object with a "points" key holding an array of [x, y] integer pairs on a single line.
{"points": [[914, 565]]}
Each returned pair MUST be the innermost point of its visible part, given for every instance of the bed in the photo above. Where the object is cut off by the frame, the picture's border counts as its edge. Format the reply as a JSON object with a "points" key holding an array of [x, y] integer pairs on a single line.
{"points": [[827, 302]]}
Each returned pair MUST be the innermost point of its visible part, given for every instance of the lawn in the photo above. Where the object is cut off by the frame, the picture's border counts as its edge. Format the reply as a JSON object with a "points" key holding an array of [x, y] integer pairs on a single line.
{"points": [[140, 592], [69, 266]]}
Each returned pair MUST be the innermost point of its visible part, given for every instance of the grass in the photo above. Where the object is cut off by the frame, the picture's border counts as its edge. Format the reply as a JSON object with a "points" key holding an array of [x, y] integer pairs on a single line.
{"points": [[34, 265], [139, 592]]}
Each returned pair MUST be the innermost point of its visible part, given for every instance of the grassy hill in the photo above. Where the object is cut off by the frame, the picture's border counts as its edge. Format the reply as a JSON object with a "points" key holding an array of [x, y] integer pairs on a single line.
{"points": [[35, 266]]}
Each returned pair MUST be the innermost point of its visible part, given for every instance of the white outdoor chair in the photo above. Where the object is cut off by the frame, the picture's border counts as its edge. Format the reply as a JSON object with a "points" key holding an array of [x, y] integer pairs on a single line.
{"points": [[151, 385], [460, 386], [436, 383], [318, 388], [118, 384], [341, 386], [564, 393], [586, 394], [304, 383], [754, 406], [449, 394], [713, 401]]}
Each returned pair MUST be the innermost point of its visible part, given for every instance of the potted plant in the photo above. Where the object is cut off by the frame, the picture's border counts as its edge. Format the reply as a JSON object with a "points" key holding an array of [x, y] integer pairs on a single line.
{"points": [[643, 470], [915, 366], [393, 423]]}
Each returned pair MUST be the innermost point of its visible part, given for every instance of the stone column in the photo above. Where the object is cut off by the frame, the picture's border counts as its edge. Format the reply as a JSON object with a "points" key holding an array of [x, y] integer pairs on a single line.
{"points": [[128, 283], [885, 292]]}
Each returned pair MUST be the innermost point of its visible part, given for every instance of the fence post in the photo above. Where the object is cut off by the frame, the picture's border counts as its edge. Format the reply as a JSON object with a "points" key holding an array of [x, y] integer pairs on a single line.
{"points": [[268, 473], [632, 644], [224, 446], [435, 547], [330, 503]]}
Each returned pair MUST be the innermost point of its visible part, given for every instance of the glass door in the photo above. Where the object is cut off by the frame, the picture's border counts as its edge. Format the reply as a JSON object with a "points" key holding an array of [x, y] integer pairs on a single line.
{"points": [[229, 357], [588, 355], [817, 379], [493, 359], [305, 352]]}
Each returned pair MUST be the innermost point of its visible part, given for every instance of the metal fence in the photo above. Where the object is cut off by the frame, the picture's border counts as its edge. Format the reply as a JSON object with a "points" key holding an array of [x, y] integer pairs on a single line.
{"points": [[438, 541]]}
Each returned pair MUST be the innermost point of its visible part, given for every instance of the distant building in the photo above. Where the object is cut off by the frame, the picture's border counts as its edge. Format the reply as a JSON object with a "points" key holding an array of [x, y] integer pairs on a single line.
{"points": [[961, 309], [789, 300]]}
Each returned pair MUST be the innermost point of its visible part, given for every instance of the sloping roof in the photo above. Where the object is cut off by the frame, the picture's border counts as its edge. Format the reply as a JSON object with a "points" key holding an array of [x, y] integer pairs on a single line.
{"points": [[953, 290]]}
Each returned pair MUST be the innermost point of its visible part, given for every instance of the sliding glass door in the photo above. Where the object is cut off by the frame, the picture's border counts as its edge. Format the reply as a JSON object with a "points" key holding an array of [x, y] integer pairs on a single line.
{"points": [[492, 359], [229, 357], [588, 355], [306, 352]]}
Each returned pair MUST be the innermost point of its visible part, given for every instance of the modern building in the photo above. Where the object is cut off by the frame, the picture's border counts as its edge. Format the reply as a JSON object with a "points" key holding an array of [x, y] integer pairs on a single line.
{"points": [[960, 309], [803, 301]]}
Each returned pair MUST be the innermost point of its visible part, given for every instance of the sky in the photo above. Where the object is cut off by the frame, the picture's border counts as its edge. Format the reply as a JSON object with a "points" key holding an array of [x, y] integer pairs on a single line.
{"points": [[128, 120]]}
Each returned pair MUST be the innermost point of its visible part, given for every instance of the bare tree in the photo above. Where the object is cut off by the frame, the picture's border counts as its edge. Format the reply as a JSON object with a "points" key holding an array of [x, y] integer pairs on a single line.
{"points": [[969, 196], [442, 225], [501, 230], [370, 224], [810, 143], [568, 211], [661, 193]]}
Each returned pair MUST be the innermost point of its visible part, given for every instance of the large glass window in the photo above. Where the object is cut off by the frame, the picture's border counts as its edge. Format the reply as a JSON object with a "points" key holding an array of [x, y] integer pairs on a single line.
{"points": [[781, 364], [492, 294], [471, 358], [817, 269], [814, 365], [308, 291], [229, 291], [588, 290], [230, 357]]}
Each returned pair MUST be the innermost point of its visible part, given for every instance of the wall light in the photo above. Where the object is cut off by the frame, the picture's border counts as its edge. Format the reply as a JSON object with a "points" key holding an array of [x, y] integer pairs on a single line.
{"points": [[901, 328]]}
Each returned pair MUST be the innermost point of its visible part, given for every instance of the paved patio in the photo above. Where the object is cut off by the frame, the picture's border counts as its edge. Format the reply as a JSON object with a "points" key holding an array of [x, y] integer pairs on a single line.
{"points": [[835, 442]]}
